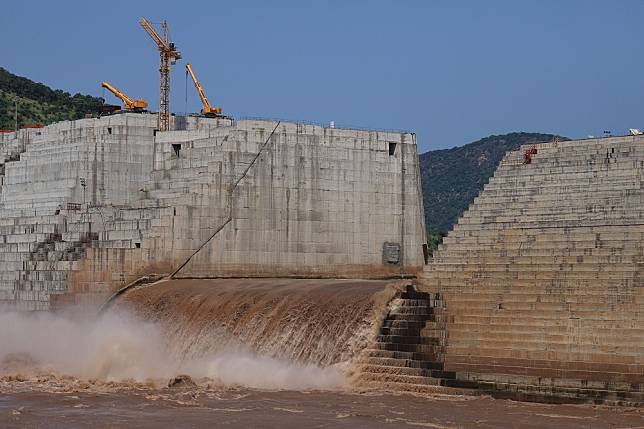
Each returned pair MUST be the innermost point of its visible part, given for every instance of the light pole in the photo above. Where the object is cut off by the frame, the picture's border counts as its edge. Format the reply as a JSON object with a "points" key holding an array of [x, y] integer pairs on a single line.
{"points": [[15, 115]]}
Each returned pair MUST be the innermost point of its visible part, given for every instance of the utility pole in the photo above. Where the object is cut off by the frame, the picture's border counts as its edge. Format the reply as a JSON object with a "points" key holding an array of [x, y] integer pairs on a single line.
{"points": [[15, 115]]}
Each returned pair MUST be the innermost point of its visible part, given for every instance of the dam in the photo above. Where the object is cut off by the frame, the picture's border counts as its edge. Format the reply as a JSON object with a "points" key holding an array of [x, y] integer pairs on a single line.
{"points": [[88, 206], [307, 243]]}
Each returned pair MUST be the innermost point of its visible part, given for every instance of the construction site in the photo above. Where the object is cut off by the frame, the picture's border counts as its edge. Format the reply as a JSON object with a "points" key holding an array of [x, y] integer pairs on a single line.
{"points": [[307, 243]]}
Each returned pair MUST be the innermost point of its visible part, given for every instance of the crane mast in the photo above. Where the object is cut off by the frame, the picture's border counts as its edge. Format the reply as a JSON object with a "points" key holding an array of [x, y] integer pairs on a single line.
{"points": [[168, 56], [206, 108]]}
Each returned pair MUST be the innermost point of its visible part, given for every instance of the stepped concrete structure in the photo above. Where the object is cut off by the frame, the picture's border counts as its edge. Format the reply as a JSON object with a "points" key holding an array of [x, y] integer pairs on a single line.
{"points": [[406, 355], [88, 206], [538, 292]]}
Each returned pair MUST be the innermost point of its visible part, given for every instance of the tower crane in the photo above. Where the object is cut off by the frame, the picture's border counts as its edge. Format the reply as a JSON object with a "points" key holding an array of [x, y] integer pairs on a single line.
{"points": [[206, 108], [168, 56], [138, 104]]}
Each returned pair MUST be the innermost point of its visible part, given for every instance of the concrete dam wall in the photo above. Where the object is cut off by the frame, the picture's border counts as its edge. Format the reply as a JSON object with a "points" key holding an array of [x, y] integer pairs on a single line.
{"points": [[88, 206], [541, 280]]}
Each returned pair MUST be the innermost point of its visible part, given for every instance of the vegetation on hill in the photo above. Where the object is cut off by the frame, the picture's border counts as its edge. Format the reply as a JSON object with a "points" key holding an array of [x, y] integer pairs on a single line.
{"points": [[37, 103], [452, 178]]}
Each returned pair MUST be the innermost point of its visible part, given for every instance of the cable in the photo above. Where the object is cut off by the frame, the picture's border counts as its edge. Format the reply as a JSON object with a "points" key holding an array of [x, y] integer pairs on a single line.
{"points": [[229, 217]]}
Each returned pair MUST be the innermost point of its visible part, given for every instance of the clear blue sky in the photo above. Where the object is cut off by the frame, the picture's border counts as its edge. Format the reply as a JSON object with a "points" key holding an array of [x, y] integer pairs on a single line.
{"points": [[451, 71]]}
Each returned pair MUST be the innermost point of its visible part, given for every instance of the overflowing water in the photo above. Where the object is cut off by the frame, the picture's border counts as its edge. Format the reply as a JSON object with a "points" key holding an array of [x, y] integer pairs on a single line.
{"points": [[241, 353], [284, 334]]}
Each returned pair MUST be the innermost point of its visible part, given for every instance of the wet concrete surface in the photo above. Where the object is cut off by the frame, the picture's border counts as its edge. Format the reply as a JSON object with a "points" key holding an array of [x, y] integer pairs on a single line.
{"points": [[244, 408]]}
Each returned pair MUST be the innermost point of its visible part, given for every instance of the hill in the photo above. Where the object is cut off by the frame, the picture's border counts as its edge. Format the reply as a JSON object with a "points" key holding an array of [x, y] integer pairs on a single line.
{"points": [[452, 178], [37, 103]]}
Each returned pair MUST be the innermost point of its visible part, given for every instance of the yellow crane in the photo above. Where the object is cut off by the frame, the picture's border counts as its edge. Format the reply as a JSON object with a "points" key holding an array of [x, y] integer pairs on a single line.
{"points": [[206, 108], [138, 104], [168, 55]]}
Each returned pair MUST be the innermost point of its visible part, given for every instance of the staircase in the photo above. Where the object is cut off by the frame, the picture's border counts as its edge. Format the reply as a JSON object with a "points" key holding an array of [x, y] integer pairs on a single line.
{"points": [[407, 355]]}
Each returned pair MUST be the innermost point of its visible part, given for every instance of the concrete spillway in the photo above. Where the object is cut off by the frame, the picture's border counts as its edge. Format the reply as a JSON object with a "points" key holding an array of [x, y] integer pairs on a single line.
{"points": [[321, 322]]}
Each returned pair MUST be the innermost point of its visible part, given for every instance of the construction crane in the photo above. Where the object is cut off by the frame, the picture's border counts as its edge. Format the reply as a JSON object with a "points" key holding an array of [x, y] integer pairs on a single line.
{"points": [[169, 56], [206, 108], [138, 104]]}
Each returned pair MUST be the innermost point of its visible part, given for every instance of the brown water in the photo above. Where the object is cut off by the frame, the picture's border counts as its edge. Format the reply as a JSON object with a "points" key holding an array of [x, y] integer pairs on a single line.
{"points": [[319, 322], [278, 333], [257, 353], [245, 408]]}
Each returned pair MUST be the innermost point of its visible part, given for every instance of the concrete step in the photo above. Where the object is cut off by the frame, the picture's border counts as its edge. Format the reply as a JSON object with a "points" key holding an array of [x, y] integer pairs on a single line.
{"points": [[403, 347], [407, 310], [410, 317], [406, 371], [421, 389], [402, 355], [407, 332], [399, 378], [402, 363], [554, 373], [403, 324], [411, 339]]}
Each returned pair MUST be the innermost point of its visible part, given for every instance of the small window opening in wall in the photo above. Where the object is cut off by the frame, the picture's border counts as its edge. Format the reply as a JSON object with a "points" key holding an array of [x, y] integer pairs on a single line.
{"points": [[174, 212], [109, 130], [612, 150], [392, 149], [154, 133], [138, 245], [177, 148]]}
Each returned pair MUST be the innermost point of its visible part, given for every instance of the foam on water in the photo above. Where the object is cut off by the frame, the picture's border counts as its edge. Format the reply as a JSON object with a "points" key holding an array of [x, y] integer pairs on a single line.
{"points": [[287, 335]]}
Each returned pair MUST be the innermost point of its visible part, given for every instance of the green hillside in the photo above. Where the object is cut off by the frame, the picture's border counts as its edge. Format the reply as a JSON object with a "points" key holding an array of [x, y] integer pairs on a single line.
{"points": [[452, 178], [37, 103]]}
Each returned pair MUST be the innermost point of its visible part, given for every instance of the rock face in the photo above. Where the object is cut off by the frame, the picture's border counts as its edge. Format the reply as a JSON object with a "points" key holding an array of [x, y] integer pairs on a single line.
{"points": [[88, 206], [542, 278]]}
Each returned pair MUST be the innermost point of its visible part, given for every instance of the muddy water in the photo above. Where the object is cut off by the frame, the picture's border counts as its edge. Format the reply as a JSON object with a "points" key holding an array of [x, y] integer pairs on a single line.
{"points": [[318, 322], [258, 353], [244, 408], [270, 334]]}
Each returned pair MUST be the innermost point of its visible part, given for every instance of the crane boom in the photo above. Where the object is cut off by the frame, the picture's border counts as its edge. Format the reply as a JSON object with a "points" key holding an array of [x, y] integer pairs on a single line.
{"points": [[163, 46], [129, 104], [206, 109], [168, 55]]}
